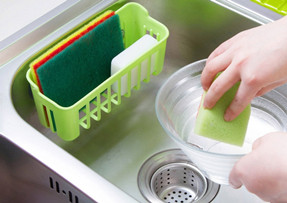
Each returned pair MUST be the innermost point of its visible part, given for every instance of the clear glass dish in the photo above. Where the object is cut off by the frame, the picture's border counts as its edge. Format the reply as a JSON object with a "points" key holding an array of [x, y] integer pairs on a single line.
{"points": [[177, 103]]}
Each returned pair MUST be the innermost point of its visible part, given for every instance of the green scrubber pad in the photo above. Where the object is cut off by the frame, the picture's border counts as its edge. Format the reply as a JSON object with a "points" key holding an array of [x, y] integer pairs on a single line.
{"points": [[83, 65], [210, 122], [65, 43]]}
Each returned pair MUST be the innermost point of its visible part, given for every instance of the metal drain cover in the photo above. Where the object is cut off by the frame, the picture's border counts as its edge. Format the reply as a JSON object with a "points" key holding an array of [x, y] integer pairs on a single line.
{"points": [[170, 177], [178, 182]]}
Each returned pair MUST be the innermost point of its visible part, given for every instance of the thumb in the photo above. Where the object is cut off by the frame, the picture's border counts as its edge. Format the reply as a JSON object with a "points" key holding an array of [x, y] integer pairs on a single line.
{"points": [[235, 177]]}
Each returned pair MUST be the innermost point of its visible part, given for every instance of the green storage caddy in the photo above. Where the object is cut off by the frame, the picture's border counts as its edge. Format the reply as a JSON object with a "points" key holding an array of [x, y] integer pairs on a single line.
{"points": [[67, 121], [279, 6]]}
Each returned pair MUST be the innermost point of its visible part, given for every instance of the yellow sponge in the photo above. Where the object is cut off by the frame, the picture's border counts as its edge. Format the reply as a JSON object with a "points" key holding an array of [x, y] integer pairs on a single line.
{"points": [[210, 122]]}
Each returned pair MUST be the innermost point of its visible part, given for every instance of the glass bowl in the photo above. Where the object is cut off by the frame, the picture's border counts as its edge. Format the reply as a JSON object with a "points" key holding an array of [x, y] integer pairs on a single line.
{"points": [[177, 103]]}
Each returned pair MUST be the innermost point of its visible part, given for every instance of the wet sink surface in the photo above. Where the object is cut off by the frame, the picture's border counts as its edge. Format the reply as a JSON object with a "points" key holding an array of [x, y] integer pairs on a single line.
{"points": [[117, 146]]}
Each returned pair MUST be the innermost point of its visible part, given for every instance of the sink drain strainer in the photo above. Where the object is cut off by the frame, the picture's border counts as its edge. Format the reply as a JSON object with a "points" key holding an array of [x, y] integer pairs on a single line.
{"points": [[171, 177], [178, 182]]}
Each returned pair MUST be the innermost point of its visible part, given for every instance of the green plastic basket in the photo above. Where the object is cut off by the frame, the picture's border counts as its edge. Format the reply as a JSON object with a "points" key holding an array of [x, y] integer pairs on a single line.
{"points": [[67, 121], [279, 6]]}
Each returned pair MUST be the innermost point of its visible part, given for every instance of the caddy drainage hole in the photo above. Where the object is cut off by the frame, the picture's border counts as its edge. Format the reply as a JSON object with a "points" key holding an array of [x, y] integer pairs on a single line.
{"points": [[176, 182]]}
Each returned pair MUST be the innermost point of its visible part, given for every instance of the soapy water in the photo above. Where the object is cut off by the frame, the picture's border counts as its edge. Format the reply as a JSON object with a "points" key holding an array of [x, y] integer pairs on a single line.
{"points": [[260, 123], [268, 114]]}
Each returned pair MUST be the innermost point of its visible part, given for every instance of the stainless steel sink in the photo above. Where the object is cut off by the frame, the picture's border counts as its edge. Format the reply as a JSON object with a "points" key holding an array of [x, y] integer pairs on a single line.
{"points": [[102, 165]]}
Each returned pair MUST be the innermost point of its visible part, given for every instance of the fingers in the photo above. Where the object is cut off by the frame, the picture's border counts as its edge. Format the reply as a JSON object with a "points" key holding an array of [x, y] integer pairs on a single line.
{"points": [[217, 61], [245, 93], [223, 83], [243, 97], [260, 171], [235, 177], [214, 66], [239, 174]]}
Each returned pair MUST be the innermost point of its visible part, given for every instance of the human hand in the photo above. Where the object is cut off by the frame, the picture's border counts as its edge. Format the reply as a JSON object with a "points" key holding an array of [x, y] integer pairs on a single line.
{"points": [[264, 170], [256, 57]]}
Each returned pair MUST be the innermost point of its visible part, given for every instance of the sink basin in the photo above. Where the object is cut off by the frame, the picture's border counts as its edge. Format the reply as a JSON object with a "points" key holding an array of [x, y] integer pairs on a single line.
{"points": [[102, 164]]}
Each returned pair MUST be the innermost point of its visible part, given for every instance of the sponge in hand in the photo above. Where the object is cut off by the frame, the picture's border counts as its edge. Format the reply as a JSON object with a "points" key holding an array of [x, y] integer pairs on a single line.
{"points": [[83, 65], [210, 122]]}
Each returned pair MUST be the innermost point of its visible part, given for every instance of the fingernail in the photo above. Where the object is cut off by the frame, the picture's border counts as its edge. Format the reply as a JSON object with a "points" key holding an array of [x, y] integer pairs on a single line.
{"points": [[205, 88], [205, 105], [227, 116]]}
